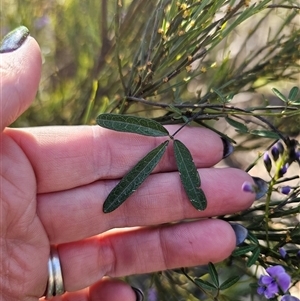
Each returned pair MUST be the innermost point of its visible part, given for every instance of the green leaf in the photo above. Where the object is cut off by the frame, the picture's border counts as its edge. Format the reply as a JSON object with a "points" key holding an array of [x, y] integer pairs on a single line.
{"points": [[243, 250], [265, 134], [135, 177], [293, 94], [204, 284], [229, 282], [189, 176], [238, 125], [279, 95], [252, 237], [213, 274], [253, 257], [132, 124]]}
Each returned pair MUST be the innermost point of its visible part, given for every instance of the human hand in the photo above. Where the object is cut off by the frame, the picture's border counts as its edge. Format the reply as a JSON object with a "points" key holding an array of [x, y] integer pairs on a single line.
{"points": [[54, 181]]}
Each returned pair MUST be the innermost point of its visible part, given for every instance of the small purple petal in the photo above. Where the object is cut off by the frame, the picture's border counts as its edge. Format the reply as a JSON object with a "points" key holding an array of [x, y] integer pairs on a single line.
{"points": [[284, 281], [265, 280], [282, 252], [289, 298], [271, 290], [298, 254], [275, 270], [285, 189], [261, 290]]}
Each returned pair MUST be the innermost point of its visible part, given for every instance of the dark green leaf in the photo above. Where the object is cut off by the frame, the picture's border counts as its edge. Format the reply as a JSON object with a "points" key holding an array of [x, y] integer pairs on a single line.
{"points": [[205, 284], [293, 94], [132, 124], [136, 176], [279, 95], [238, 125], [252, 237], [254, 256], [265, 134], [213, 274], [243, 250], [229, 282], [189, 175]]}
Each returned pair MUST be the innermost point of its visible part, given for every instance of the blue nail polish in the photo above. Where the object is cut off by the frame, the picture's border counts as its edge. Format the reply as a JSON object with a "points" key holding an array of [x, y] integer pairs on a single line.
{"points": [[14, 39], [240, 231], [227, 147], [261, 187], [139, 294]]}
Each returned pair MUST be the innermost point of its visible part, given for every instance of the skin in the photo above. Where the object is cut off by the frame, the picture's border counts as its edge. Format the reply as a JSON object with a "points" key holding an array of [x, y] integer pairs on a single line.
{"points": [[54, 181]]}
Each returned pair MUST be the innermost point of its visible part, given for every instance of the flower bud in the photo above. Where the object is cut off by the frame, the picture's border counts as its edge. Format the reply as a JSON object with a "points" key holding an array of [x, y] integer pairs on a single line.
{"points": [[285, 189], [267, 162], [282, 252], [283, 170], [280, 147], [275, 152]]}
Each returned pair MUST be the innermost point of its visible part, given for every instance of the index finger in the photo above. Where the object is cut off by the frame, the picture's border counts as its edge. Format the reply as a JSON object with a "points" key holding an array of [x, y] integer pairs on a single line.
{"points": [[72, 156]]}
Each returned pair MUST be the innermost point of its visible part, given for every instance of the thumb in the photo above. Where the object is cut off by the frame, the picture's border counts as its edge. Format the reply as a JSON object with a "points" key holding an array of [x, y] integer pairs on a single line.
{"points": [[20, 72]]}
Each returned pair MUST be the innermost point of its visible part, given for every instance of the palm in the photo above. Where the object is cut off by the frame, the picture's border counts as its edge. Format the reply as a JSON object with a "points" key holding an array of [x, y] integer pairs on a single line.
{"points": [[24, 242]]}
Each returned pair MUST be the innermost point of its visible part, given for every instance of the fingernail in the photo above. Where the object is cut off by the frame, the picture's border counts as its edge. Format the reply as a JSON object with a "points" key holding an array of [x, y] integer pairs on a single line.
{"points": [[14, 39], [139, 294], [240, 231], [261, 187], [227, 147]]}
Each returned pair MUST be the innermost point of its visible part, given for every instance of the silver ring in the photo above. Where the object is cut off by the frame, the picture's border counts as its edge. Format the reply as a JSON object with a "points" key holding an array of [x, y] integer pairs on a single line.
{"points": [[55, 285]]}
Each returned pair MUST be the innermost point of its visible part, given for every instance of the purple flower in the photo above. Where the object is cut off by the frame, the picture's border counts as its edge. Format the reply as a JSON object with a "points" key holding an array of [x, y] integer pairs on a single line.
{"points": [[289, 298], [285, 189], [282, 252], [269, 285], [283, 169], [275, 152], [267, 162]]}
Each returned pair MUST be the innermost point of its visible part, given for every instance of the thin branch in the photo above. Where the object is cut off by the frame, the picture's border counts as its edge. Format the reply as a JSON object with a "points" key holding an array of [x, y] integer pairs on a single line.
{"points": [[283, 6], [117, 37]]}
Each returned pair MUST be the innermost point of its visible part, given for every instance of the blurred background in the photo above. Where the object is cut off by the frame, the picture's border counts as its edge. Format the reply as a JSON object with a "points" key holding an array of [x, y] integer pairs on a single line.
{"points": [[81, 79]]}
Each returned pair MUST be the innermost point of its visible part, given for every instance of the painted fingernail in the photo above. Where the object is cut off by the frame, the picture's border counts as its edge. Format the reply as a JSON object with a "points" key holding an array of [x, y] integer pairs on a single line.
{"points": [[14, 39], [139, 294], [260, 187], [240, 231], [227, 147]]}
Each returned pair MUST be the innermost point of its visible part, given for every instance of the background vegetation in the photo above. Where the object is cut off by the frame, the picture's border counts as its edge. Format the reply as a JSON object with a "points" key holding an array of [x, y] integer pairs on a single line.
{"points": [[212, 63]]}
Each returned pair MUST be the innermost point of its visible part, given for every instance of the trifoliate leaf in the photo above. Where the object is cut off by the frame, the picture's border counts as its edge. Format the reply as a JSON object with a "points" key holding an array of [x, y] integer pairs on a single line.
{"points": [[135, 177], [132, 124], [189, 176]]}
